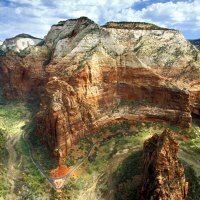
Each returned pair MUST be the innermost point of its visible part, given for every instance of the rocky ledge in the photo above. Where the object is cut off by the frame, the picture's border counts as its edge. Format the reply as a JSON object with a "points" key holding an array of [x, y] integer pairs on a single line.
{"points": [[163, 176]]}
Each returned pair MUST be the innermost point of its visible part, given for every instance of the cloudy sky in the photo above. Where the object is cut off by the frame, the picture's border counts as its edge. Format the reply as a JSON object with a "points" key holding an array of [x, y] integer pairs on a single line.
{"points": [[36, 16]]}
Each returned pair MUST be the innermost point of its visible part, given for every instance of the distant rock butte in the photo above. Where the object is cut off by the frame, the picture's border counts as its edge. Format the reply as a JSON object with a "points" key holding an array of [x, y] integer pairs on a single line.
{"points": [[19, 43], [196, 43], [163, 174], [87, 76]]}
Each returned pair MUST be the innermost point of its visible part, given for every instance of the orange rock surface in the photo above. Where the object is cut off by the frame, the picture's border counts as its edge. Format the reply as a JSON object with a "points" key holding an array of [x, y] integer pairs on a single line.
{"points": [[60, 171]]}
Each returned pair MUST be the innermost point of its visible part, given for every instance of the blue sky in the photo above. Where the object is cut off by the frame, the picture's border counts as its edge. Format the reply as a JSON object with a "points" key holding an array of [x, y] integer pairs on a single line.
{"points": [[35, 17]]}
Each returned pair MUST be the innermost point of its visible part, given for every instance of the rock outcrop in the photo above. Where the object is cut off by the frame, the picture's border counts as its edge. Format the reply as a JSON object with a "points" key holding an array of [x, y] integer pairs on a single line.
{"points": [[163, 176], [19, 43], [88, 75]]}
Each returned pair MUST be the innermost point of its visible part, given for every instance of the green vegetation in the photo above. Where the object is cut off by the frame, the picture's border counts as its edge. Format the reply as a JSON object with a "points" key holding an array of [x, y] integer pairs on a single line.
{"points": [[15, 119], [2, 53], [41, 43], [194, 182], [60, 23], [125, 187], [162, 49], [65, 73], [35, 182], [133, 25], [12, 117], [3, 160], [178, 53], [3, 151]]}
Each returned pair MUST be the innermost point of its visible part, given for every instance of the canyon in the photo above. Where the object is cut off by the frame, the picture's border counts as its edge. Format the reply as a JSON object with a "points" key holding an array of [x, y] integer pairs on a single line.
{"points": [[87, 76]]}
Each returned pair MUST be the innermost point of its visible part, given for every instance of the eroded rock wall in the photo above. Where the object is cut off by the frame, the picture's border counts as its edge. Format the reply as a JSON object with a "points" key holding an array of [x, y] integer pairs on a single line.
{"points": [[69, 111], [22, 77]]}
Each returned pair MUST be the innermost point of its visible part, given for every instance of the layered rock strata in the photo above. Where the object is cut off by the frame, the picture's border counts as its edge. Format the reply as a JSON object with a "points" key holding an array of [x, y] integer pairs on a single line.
{"points": [[21, 77], [163, 176], [88, 75]]}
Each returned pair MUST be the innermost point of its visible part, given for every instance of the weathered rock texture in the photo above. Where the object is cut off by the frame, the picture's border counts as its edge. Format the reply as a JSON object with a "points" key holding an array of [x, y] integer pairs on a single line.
{"points": [[22, 77], [163, 176], [19, 42], [93, 75]]}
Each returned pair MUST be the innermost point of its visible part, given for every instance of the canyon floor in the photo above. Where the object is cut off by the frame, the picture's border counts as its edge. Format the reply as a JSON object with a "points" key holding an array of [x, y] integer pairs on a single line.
{"points": [[111, 171]]}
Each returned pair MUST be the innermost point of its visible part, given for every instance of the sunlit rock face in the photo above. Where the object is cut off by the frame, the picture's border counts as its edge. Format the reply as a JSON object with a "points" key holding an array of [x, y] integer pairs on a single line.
{"points": [[88, 75], [19, 42], [163, 174]]}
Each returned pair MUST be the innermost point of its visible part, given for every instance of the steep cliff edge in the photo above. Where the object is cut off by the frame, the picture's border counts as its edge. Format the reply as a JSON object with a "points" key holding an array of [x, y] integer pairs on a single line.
{"points": [[90, 75], [163, 176]]}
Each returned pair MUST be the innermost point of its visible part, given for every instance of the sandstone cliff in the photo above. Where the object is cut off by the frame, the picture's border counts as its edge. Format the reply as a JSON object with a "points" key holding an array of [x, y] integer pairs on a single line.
{"points": [[88, 75], [163, 176], [21, 77]]}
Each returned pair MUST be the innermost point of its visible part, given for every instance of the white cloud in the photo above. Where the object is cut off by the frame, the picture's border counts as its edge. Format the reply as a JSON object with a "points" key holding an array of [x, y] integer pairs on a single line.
{"points": [[36, 16], [18, 10], [176, 12]]}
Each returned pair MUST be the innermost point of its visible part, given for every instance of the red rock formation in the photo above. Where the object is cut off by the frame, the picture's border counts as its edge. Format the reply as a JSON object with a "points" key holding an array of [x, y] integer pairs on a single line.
{"points": [[93, 75], [195, 101], [163, 176], [68, 112], [60, 171], [22, 77]]}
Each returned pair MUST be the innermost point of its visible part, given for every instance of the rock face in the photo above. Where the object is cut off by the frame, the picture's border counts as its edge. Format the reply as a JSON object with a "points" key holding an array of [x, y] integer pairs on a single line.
{"points": [[19, 42], [90, 75], [21, 77], [194, 101], [163, 176]]}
